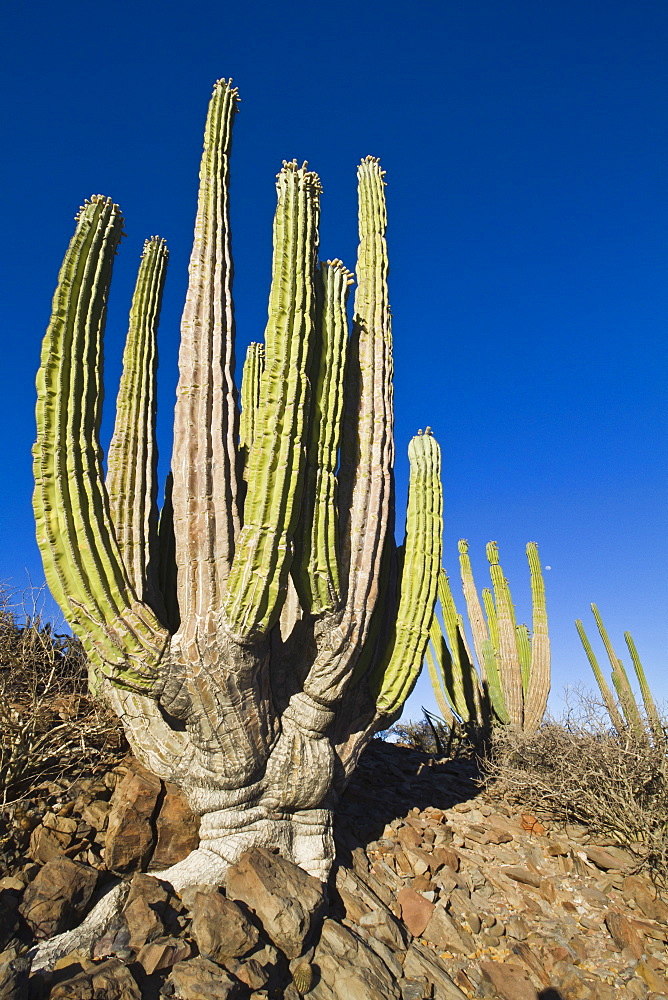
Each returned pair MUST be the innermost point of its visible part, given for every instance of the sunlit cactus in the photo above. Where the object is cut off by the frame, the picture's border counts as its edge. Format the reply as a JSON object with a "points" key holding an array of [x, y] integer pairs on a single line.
{"points": [[511, 681], [623, 709], [257, 634]]}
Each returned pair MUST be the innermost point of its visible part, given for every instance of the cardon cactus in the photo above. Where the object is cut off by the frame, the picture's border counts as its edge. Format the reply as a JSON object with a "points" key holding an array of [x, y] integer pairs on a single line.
{"points": [[256, 635], [623, 710], [512, 682]]}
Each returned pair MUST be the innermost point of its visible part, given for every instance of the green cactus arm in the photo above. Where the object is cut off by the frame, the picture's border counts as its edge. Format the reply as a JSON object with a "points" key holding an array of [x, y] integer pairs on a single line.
{"points": [[535, 700], [619, 678], [490, 650], [258, 580], [403, 658], [509, 664], [650, 706], [440, 694], [367, 450], [133, 455], [442, 661], [82, 562], [315, 568], [206, 514], [250, 399], [606, 693], [473, 605], [460, 685], [366, 482], [524, 652]]}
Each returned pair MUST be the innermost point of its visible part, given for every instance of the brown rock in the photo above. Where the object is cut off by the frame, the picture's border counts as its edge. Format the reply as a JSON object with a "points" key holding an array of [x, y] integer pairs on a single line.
{"points": [[201, 979], [349, 969], [220, 927], [14, 970], [47, 845], [111, 980], [129, 838], [416, 911], [385, 928], [609, 858], [522, 875], [248, 971], [144, 909], [446, 935], [408, 836], [623, 933], [423, 962], [656, 982], [177, 829], [96, 814], [529, 822], [508, 981], [163, 953], [287, 900], [57, 896], [447, 856]]}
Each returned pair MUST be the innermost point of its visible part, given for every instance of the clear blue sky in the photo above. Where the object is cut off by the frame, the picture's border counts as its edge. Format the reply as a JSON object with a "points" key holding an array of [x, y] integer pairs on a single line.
{"points": [[524, 144]]}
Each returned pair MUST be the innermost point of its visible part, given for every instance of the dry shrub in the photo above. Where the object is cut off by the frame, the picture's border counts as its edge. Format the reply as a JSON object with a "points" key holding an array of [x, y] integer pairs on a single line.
{"points": [[49, 725], [579, 769]]}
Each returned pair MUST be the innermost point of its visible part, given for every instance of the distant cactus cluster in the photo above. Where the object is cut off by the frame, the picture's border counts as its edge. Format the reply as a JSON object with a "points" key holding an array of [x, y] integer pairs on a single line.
{"points": [[505, 679]]}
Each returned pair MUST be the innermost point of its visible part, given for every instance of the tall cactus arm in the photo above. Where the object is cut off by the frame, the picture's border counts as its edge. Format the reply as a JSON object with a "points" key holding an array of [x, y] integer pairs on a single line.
{"points": [[473, 606], [606, 693], [82, 562], [250, 398], [458, 685], [509, 663], [400, 665], [619, 678], [440, 695], [650, 707], [133, 455], [371, 452], [258, 580], [206, 517], [315, 569], [535, 701]]}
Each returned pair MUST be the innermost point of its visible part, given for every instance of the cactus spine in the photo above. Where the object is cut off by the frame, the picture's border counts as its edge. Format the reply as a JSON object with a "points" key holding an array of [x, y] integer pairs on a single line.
{"points": [[512, 680], [255, 639]]}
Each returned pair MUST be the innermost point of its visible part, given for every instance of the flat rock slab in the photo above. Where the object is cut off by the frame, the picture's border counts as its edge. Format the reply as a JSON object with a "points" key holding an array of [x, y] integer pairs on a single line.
{"points": [[288, 901], [422, 962], [57, 896]]}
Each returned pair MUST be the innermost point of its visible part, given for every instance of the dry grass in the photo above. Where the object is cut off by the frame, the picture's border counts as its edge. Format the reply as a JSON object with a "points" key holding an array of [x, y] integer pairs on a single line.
{"points": [[579, 769], [49, 726]]}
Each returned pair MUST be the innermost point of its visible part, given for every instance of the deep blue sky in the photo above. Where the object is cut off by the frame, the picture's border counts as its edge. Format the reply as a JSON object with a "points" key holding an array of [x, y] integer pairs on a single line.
{"points": [[525, 148]]}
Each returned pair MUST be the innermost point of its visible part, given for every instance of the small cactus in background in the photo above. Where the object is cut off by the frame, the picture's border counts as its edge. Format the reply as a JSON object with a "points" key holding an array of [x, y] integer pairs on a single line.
{"points": [[624, 712], [511, 683]]}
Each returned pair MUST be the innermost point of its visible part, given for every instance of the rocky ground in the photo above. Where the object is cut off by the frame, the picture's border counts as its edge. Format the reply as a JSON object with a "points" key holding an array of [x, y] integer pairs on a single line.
{"points": [[439, 891]]}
